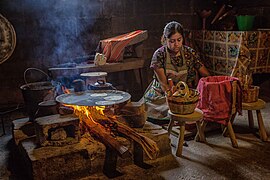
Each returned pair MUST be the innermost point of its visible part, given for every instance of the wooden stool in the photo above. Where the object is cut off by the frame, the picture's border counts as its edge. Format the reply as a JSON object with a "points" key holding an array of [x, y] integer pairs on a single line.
{"points": [[197, 115], [258, 105]]}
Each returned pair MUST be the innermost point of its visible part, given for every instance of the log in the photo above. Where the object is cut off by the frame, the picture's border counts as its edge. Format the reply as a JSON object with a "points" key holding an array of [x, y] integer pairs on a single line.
{"points": [[149, 146]]}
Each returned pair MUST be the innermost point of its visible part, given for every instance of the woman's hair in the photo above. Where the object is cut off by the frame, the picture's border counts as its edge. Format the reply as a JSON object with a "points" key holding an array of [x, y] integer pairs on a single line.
{"points": [[170, 29]]}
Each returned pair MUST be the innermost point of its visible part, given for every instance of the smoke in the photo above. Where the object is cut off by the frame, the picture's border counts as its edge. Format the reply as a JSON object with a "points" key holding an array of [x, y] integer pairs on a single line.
{"points": [[58, 30]]}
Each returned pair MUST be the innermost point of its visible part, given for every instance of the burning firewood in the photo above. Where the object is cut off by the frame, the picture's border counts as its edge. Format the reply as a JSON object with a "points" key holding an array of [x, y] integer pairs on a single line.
{"points": [[104, 126], [100, 133]]}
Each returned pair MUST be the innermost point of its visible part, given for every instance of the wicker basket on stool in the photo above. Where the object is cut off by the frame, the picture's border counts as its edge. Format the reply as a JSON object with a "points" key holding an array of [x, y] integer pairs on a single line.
{"points": [[250, 94], [183, 100]]}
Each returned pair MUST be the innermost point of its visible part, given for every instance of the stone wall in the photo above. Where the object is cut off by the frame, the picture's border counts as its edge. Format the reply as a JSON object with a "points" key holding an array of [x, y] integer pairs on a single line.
{"points": [[54, 32]]}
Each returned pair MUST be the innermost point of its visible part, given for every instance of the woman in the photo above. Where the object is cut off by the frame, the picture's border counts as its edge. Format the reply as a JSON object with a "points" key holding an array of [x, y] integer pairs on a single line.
{"points": [[172, 61]]}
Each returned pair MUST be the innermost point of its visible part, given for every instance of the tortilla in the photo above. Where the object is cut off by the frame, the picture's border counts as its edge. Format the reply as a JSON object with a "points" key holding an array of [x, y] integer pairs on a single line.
{"points": [[99, 94], [113, 98], [103, 103]]}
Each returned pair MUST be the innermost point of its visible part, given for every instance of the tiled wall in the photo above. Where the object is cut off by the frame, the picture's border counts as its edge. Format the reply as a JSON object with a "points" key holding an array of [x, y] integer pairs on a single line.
{"points": [[222, 49]]}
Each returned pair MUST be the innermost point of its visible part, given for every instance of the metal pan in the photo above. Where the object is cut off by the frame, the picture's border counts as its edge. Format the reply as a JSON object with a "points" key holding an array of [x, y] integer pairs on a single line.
{"points": [[95, 98]]}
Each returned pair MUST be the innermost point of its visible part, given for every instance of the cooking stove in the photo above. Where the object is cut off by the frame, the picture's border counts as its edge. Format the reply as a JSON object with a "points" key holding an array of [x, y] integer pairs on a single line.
{"points": [[86, 158], [59, 146]]}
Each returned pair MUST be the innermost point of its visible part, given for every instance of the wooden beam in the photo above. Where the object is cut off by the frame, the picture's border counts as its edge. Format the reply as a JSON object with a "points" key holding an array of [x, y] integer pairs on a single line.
{"points": [[127, 64]]}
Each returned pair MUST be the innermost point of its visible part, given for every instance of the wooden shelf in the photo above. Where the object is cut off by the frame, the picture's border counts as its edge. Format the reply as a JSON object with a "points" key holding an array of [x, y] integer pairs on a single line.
{"points": [[127, 64]]}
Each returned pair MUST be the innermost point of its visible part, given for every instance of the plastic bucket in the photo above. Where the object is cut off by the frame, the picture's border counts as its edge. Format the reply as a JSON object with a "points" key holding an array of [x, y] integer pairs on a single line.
{"points": [[245, 23]]}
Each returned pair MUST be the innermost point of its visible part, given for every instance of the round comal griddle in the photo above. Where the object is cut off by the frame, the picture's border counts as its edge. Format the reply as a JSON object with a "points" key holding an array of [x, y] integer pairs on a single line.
{"points": [[94, 98]]}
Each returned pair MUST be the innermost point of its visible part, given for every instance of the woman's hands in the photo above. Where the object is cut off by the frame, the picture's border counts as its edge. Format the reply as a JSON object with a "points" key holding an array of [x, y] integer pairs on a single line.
{"points": [[162, 79]]}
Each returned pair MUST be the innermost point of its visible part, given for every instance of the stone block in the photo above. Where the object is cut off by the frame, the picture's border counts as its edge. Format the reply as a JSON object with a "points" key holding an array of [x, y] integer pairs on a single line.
{"points": [[22, 129], [70, 161], [57, 130]]}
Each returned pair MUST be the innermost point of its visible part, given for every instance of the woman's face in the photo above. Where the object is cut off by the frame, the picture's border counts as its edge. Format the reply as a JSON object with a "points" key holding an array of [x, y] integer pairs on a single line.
{"points": [[175, 42]]}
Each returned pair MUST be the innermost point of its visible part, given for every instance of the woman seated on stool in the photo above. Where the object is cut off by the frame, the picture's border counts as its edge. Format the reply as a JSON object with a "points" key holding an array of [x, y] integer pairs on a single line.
{"points": [[171, 61]]}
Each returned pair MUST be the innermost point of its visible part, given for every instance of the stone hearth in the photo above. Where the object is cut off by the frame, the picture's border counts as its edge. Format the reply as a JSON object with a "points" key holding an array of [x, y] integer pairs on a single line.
{"points": [[83, 158]]}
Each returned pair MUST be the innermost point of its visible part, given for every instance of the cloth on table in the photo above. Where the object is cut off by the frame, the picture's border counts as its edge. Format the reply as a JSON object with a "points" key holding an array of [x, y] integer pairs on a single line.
{"points": [[216, 98], [113, 48]]}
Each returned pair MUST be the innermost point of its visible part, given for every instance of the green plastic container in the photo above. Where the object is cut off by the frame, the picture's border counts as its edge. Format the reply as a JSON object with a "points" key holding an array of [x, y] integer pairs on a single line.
{"points": [[245, 23]]}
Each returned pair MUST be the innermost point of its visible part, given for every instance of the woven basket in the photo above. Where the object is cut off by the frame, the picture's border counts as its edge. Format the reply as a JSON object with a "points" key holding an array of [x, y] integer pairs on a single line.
{"points": [[250, 94], [183, 101]]}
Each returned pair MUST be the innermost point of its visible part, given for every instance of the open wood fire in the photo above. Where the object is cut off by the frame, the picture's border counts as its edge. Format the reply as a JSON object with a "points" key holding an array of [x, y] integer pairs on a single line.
{"points": [[106, 127]]}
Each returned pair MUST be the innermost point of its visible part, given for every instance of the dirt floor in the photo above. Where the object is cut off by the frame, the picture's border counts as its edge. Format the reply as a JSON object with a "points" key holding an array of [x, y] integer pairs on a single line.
{"points": [[216, 159]]}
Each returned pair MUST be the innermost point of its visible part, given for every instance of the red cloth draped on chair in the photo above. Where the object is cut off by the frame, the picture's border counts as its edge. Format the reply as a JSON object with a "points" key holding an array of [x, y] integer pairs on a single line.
{"points": [[216, 98]]}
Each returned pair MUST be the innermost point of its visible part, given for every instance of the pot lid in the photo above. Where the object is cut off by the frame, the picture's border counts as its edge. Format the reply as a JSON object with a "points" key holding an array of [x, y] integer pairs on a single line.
{"points": [[95, 98], [7, 38]]}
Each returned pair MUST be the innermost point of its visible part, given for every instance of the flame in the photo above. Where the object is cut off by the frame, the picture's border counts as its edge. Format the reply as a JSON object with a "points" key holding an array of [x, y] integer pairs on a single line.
{"points": [[100, 109], [65, 90], [93, 118], [84, 111], [89, 116], [89, 112]]}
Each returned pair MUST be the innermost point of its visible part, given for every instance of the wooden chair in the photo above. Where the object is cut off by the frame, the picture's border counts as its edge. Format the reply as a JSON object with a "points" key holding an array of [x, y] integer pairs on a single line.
{"points": [[196, 116], [258, 105], [229, 121]]}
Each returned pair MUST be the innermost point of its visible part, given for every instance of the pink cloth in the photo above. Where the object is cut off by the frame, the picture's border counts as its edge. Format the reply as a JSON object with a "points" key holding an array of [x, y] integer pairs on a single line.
{"points": [[114, 47], [216, 98]]}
